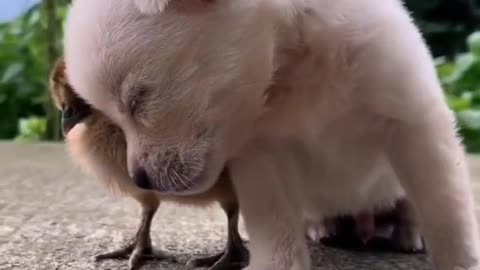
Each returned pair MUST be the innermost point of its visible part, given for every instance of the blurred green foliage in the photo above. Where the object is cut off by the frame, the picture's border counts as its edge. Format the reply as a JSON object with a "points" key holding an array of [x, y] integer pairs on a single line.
{"points": [[445, 23], [24, 69], [28, 44], [461, 82], [31, 129]]}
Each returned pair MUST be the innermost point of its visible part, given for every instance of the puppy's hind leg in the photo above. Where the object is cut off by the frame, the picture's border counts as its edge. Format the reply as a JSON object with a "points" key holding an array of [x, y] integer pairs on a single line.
{"points": [[422, 145], [430, 162], [140, 249]]}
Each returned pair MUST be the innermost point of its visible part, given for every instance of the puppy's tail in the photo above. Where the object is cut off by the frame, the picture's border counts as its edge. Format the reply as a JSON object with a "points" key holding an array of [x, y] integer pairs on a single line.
{"points": [[151, 6]]}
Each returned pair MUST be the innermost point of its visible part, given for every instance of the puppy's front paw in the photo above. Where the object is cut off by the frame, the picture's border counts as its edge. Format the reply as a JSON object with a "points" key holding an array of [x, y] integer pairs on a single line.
{"points": [[315, 233], [300, 265], [458, 264], [292, 257], [408, 239], [253, 267], [477, 267]]}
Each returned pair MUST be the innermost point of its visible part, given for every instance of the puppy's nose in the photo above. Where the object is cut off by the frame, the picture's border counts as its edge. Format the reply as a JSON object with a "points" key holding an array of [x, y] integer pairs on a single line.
{"points": [[141, 179]]}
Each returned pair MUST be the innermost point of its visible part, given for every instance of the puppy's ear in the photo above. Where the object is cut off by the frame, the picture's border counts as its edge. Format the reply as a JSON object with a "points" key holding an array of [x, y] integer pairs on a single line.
{"points": [[151, 6]]}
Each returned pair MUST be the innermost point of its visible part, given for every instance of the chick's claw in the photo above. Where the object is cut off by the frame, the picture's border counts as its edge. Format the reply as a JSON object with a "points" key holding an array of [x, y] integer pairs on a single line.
{"points": [[137, 254]]}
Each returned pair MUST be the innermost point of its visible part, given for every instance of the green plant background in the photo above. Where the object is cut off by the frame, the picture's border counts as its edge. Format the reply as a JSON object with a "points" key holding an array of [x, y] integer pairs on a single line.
{"points": [[30, 44]]}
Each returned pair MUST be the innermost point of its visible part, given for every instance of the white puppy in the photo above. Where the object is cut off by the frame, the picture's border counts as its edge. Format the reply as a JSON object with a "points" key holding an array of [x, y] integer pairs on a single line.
{"points": [[313, 105]]}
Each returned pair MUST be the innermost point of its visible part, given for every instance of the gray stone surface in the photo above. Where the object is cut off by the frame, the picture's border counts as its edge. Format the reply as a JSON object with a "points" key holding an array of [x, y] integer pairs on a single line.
{"points": [[52, 217]]}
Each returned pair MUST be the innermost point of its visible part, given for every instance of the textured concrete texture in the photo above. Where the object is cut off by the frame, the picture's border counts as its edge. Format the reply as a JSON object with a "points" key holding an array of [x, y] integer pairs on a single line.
{"points": [[52, 217]]}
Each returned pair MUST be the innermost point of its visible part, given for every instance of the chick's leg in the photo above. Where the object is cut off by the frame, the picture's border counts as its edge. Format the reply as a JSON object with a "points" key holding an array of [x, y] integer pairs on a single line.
{"points": [[235, 255], [139, 249]]}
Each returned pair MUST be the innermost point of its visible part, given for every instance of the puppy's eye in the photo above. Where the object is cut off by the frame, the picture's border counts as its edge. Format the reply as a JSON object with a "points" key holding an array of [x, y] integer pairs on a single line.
{"points": [[202, 131], [136, 99]]}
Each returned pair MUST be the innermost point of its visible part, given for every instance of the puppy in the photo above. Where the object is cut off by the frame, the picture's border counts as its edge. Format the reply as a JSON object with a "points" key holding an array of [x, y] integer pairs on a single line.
{"points": [[343, 232], [313, 105], [98, 146]]}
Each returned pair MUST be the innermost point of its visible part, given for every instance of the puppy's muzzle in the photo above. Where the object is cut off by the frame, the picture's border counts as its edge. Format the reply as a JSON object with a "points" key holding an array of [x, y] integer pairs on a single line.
{"points": [[169, 172]]}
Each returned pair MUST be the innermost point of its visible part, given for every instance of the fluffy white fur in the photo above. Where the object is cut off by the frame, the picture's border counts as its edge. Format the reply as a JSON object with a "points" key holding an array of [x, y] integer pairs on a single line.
{"points": [[319, 107], [151, 6]]}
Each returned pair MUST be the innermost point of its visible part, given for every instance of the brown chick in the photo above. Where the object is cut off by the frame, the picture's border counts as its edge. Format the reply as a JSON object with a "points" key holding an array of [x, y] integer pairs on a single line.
{"points": [[99, 147]]}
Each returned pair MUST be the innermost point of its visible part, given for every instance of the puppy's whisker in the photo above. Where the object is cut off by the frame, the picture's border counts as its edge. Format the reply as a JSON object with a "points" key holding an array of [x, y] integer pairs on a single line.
{"points": [[177, 179]]}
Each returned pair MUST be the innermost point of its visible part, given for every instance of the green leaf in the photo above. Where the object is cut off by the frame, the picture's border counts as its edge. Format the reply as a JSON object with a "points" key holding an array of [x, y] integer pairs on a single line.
{"points": [[32, 128], [12, 71], [34, 18], [473, 42], [446, 70], [470, 119], [460, 103], [462, 65]]}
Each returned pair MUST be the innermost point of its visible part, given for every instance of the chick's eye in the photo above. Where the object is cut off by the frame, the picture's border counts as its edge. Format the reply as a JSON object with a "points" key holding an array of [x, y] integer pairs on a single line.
{"points": [[68, 112]]}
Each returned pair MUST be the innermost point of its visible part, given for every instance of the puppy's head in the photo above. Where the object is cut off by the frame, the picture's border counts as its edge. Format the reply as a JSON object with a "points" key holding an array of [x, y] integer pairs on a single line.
{"points": [[183, 79], [74, 109]]}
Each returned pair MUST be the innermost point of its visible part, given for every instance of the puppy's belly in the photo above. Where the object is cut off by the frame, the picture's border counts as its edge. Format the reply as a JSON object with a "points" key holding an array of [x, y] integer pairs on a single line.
{"points": [[341, 194], [351, 171]]}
